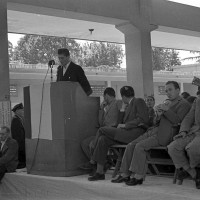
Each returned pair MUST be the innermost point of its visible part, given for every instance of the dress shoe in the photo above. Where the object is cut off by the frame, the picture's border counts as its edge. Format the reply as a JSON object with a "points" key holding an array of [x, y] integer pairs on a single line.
{"points": [[197, 180], [97, 177], [92, 172], [182, 174], [87, 166], [121, 179], [134, 181]]}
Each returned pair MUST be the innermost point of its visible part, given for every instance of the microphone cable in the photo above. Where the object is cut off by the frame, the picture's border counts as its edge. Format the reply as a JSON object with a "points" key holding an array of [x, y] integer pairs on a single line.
{"points": [[40, 120]]}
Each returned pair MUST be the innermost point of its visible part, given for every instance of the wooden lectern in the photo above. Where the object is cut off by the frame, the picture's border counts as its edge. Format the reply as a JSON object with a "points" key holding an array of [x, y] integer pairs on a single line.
{"points": [[58, 116]]}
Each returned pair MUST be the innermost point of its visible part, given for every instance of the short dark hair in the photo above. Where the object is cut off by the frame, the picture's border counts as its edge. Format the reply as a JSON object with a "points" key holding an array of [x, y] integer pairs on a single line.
{"points": [[198, 92], [185, 95], [150, 97], [109, 91], [127, 91], [176, 85], [63, 51], [5, 128], [191, 99]]}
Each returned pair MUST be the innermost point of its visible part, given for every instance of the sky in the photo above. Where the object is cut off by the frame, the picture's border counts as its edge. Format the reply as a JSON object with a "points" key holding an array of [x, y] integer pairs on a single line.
{"points": [[195, 3], [13, 38]]}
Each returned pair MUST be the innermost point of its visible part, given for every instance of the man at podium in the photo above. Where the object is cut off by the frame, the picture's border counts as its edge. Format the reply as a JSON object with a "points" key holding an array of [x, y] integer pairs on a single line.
{"points": [[69, 71]]}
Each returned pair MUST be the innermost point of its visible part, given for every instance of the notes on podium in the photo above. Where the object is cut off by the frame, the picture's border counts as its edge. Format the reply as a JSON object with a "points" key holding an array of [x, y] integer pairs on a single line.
{"points": [[58, 116]]}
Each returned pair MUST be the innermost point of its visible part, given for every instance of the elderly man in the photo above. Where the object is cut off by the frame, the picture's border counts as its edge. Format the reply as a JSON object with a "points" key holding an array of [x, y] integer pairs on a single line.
{"points": [[188, 142], [135, 114], [172, 111], [8, 152]]}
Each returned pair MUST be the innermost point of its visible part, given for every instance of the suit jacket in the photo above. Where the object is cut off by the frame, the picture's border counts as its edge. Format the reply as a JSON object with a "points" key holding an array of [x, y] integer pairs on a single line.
{"points": [[191, 122], [74, 73], [110, 116], [135, 114], [174, 116], [9, 155]]}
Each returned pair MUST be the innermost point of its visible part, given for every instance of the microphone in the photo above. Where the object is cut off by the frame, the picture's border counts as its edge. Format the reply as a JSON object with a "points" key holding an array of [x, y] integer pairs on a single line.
{"points": [[51, 63]]}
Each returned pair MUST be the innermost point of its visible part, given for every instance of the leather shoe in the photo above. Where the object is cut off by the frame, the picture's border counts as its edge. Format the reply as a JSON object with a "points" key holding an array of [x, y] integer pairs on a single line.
{"points": [[121, 179], [197, 180], [134, 181], [97, 177], [87, 166], [182, 174]]}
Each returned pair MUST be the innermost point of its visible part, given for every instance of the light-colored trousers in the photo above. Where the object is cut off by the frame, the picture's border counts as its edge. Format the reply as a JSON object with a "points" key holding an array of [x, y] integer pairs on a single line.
{"points": [[185, 152], [134, 159]]}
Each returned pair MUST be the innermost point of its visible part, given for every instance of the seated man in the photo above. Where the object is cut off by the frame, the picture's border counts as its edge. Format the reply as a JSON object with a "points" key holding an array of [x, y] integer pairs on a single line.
{"points": [[150, 101], [108, 116], [8, 152], [134, 167], [187, 141], [136, 113]]}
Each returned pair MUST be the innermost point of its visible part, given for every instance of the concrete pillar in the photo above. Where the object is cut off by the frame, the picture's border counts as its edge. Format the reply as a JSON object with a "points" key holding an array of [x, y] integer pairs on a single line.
{"points": [[108, 83], [181, 87], [4, 63], [138, 58]]}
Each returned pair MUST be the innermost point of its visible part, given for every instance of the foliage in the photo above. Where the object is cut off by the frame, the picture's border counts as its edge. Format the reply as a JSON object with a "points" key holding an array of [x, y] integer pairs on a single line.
{"points": [[164, 59], [10, 51], [100, 53], [34, 49]]}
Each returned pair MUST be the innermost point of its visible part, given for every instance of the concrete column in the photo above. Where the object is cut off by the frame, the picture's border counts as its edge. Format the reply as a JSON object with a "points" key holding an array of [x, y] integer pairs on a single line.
{"points": [[4, 63], [108, 83], [181, 87], [138, 58]]}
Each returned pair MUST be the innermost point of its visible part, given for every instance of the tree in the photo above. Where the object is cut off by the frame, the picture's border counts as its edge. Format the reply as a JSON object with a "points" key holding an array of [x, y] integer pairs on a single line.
{"points": [[164, 59], [100, 53], [10, 51], [34, 49]]}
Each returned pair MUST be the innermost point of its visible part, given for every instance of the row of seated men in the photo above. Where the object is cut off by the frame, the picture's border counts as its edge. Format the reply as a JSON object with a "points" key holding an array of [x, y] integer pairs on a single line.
{"points": [[142, 128]]}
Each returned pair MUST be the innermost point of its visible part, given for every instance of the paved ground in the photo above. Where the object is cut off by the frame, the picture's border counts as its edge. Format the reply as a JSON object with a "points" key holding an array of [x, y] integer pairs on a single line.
{"points": [[30, 187]]}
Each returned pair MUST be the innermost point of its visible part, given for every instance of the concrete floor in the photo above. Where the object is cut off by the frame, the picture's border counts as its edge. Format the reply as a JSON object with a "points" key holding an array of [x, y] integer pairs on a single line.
{"points": [[30, 187]]}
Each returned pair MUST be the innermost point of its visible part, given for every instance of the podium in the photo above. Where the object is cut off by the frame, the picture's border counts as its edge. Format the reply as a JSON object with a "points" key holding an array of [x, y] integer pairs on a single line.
{"points": [[58, 116]]}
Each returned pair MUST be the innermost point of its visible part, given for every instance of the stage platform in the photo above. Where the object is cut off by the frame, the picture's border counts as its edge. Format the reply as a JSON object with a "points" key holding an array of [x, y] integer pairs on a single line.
{"points": [[22, 186]]}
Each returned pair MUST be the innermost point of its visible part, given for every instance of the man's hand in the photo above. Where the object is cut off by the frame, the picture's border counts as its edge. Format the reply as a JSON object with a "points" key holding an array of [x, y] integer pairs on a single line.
{"points": [[163, 107], [180, 135], [92, 144], [121, 126], [103, 105], [123, 107]]}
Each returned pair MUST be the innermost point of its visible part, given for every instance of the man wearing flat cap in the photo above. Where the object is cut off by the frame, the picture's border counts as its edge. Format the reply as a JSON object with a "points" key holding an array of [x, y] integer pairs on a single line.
{"points": [[69, 71], [18, 133]]}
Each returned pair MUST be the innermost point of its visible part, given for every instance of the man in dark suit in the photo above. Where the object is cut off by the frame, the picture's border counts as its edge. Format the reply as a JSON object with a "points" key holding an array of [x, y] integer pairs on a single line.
{"points": [[18, 133], [135, 114], [8, 152], [69, 71], [171, 112], [108, 117]]}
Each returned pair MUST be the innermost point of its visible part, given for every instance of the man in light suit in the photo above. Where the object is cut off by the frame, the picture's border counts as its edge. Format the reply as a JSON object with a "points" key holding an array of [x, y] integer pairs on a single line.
{"points": [[108, 116], [135, 114], [188, 142], [172, 111], [8, 152], [69, 71]]}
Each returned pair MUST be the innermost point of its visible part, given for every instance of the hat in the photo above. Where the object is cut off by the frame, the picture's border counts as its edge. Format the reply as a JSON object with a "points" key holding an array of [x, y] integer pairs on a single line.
{"points": [[17, 107]]}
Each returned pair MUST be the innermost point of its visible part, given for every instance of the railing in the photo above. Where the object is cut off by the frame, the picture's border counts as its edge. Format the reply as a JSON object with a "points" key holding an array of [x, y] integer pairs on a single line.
{"points": [[101, 69]]}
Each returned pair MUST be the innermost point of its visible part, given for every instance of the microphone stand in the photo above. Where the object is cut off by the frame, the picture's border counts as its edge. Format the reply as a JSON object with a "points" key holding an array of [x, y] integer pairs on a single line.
{"points": [[51, 67]]}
